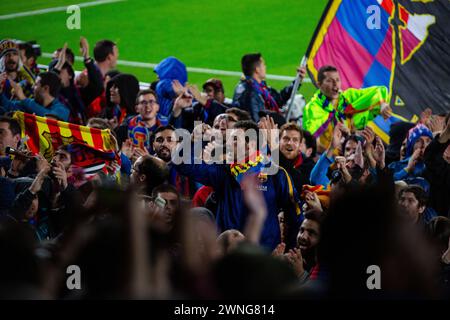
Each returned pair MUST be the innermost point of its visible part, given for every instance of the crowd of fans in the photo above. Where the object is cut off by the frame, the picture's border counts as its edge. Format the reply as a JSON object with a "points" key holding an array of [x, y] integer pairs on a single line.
{"points": [[341, 200]]}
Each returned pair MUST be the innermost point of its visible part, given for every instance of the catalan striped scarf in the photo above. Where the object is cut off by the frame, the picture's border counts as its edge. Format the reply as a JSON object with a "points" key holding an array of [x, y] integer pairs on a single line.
{"points": [[45, 135]]}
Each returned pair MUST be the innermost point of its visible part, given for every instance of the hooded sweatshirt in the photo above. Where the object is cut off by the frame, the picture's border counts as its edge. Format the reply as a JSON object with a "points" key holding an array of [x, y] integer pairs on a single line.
{"points": [[168, 70]]}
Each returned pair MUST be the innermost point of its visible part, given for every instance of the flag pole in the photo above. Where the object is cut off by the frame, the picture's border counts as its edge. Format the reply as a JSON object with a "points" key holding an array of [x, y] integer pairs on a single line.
{"points": [[297, 83]]}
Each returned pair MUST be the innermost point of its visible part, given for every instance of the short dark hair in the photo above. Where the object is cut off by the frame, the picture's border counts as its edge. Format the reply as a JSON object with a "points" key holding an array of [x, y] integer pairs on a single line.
{"points": [[70, 56], [64, 148], [28, 49], [164, 128], [103, 49], [351, 137], [248, 125], [321, 74], [290, 126], [241, 114], [14, 126], [249, 62], [310, 142], [112, 73], [315, 215], [99, 123], [144, 92], [155, 170], [52, 80], [419, 193], [161, 129]]}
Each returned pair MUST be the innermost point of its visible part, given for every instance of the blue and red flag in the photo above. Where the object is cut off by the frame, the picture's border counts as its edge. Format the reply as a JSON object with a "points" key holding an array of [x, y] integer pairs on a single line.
{"points": [[400, 44]]}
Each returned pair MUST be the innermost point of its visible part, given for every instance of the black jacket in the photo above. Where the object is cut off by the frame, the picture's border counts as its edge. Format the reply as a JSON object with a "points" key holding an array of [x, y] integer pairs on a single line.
{"points": [[437, 172], [246, 98], [299, 174], [197, 112], [52, 222], [95, 86]]}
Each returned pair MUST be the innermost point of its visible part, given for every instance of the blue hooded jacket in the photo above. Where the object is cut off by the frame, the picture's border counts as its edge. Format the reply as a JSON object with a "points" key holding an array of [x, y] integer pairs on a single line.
{"points": [[168, 70]]}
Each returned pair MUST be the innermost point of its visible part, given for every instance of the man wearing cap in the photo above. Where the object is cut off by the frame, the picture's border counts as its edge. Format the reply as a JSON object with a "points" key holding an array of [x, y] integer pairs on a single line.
{"points": [[252, 93], [413, 165], [11, 64]]}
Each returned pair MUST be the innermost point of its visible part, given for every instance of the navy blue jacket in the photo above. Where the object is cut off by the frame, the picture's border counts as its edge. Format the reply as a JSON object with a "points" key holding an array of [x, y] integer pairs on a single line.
{"points": [[279, 194], [246, 98], [197, 112]]}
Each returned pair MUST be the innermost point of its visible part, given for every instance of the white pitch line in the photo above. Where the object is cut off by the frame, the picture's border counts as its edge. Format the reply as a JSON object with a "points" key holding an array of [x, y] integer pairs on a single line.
{"points": [[191, 69], [54, 9]]}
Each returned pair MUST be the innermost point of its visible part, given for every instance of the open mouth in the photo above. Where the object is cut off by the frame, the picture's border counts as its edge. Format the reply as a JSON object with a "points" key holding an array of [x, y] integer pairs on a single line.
{"points": [[303, 247]]}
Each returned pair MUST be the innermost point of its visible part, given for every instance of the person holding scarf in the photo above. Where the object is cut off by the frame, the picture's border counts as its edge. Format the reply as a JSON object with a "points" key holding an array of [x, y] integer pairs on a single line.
{"points": [[330, 105], [228, 181], [253, 94]]}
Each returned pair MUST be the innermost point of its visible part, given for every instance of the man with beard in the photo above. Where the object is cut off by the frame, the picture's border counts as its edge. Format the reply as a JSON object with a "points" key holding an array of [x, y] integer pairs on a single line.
{"points": [[11, 64], [164, 143], [44, 104], [303, 257], [308, 239]]}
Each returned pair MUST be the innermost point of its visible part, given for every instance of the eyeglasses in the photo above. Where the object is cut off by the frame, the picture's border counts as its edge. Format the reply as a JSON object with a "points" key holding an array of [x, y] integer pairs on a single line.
{"points": [[148, 102]]}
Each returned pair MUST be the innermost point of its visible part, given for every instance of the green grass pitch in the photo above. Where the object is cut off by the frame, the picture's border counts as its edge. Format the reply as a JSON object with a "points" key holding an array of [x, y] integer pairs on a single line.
{"points": [[201, 33]]}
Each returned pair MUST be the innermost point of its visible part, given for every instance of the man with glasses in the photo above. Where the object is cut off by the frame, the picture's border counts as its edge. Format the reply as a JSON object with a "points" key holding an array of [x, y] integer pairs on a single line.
{"points": [[145, 123]]}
